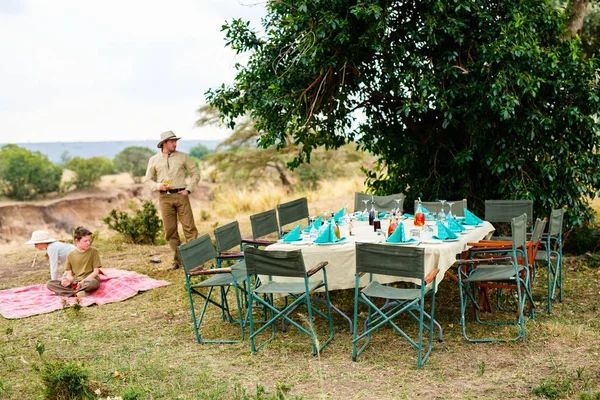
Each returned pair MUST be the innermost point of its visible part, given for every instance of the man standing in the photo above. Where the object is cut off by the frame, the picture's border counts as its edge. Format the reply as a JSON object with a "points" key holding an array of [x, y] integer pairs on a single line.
{"points": [[169, 167]]}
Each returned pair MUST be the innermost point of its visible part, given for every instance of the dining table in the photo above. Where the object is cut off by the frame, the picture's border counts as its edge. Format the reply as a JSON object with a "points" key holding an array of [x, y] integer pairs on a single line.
{"points": [[341, 255]]}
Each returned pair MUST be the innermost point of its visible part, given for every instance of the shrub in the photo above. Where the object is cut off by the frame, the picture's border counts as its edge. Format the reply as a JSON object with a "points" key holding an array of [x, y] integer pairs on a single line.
{"points": [[133, 159], [143, 227], [25, 175], [65, 380], [89, 170], [198, 151]]}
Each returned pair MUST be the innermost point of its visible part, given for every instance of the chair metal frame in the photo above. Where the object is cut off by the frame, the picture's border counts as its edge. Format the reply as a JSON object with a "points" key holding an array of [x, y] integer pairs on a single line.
{"points": [[551, 253], [193, 255], [493, 272], [285, 264], [402, 262]]}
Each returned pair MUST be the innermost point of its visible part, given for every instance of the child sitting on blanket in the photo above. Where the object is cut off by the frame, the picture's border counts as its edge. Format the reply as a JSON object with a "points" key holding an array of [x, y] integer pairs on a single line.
{"points": [[82, 268], [56, 251]]}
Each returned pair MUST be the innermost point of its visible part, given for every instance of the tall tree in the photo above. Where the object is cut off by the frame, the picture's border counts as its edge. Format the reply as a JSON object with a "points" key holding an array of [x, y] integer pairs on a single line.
{"points": [[476, 98]]}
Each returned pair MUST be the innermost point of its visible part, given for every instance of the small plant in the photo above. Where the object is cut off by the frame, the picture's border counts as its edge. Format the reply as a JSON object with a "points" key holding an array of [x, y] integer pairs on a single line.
{"points": [[9, 330], [40, 348], [482, 368], [143, 228], [65, 380], [134, 393]]}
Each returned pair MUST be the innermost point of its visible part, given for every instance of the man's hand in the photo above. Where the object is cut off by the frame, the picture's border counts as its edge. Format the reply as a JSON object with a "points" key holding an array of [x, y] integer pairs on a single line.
{"points": [[163, 187], [183, 192]]}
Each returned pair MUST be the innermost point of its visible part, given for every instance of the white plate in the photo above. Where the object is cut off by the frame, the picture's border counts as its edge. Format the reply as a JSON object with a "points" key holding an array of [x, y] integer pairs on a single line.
{"points": [[468, 227], [330, 244], [451, 240], [432, 241], [404, 244]]}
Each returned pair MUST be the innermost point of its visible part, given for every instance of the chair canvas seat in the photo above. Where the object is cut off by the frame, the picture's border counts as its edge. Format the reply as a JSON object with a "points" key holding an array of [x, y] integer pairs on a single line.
{"points": [[376, 289], [287, 287], [226, 279], [485, 273]]}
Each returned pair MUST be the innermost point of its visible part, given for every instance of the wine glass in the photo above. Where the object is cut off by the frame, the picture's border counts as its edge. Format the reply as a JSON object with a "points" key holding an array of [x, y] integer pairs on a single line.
{"points": [[442, 214], [450, 204], [366, 212], [167, 181], [398, 201]]}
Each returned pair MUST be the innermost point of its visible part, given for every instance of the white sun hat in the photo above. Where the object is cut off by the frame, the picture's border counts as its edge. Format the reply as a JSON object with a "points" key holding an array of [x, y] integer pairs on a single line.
{"points": [[40, 237]]}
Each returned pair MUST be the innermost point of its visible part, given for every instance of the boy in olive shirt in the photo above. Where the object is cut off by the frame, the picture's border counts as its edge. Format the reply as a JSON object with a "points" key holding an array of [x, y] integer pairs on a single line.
{"points": [[82, 268]]}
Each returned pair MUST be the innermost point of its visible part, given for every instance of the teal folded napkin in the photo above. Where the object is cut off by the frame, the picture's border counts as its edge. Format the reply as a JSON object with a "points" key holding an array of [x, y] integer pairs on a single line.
{"points": [[425, 211], [408, 215], [454, 225], [362, 217], [293, 235], [338, 215], [316, 224], [471, 219], [399, 236], [444, 233], [328, 236], [381, 215]]}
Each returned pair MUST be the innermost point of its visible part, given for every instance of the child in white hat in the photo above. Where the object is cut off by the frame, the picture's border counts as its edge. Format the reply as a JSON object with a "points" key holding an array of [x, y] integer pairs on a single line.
{"points": [[56, 251]]}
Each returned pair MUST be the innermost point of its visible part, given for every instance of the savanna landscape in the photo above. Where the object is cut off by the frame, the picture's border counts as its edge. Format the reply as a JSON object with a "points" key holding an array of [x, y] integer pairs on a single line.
{"points": [[145, 347]]}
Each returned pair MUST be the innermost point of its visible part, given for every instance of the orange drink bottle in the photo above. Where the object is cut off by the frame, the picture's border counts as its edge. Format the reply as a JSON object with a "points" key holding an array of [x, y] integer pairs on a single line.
{"points": [[419, 215]]}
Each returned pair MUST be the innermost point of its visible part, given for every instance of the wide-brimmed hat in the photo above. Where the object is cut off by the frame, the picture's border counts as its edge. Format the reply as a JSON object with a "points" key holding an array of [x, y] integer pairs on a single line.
{"points": [[40, 237], [168, 135]]}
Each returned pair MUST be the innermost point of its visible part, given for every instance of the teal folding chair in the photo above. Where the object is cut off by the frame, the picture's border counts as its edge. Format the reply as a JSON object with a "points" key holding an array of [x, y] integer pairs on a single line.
{"points": [[551, 253], [401, 262], [230, 244], [193, 255], [502, 272], [381, 203], [501, 212], [289, 265], [291, 212], [264, 224]]}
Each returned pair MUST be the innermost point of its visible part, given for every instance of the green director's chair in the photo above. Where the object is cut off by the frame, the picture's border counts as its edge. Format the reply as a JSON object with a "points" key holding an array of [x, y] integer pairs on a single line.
{"points": [[193, 255], [401, 262], [287, 264]]}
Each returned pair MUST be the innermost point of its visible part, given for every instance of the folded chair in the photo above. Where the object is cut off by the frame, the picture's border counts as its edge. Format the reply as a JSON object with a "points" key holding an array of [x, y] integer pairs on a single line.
{"points": [[551, 253], [407, 262], [193, 255], [290, 265], [292, 211], [503, 272], [264, 224], [382, 203], [458, 206]]}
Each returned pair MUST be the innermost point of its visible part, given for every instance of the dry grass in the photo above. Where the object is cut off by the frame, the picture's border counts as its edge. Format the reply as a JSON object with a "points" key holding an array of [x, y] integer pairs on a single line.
{"points": [[147, 342]]}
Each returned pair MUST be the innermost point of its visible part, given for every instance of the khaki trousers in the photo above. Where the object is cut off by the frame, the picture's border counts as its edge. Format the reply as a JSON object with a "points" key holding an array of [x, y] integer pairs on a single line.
{"points": [[172, 207], [87, 286]]}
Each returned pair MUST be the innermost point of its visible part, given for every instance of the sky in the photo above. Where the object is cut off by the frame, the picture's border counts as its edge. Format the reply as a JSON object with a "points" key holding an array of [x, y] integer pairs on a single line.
{"points": [[107, 70]]}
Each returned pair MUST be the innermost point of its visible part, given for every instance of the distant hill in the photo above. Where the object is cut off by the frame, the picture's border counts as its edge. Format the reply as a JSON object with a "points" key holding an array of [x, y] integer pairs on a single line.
{"points": [[55, 150]]}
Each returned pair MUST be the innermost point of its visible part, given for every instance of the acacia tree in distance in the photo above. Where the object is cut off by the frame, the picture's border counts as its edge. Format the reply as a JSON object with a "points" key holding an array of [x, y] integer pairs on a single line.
{"points": [[462, 98]]}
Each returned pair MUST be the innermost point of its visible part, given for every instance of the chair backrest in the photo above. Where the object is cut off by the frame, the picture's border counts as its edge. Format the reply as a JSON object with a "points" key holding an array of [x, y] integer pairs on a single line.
{"points": [[538, 229], [382, 203], [264, 223], [275, 263], [228, 236], [519, 231], [197, 252], [458, 206], [292, 211], [505, 210], [556, 222], [408, 262]]}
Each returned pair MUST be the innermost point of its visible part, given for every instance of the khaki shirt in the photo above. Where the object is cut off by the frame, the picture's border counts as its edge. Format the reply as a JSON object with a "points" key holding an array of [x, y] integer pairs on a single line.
{"points": [[174, 166], [83, 263]]}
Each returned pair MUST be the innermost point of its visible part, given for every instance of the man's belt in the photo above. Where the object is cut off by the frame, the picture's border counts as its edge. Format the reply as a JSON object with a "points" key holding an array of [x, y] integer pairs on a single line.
{"points": [[172, 191]]}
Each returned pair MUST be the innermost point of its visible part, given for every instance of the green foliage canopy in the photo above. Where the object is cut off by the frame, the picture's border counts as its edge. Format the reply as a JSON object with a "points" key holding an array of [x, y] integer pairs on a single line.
{"points": [[461, 98], [198, 151], [89, 170], [25, 175], [133, 159]]}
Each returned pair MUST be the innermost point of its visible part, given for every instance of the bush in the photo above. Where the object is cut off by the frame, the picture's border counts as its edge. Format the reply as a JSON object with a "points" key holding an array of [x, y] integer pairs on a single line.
{"points": [[65, 380], [198, 151], [25, 175], [133, 159], [143, 228], [89, 170]]}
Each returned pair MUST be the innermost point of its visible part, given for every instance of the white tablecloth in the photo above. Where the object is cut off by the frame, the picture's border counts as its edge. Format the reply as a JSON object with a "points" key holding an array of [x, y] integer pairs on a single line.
{"points": [[342, 256]]}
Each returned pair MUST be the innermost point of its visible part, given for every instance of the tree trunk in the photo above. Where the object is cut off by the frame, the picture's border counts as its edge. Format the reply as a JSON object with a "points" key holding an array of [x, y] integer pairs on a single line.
{"points": [[282, 175], [577, 8]]}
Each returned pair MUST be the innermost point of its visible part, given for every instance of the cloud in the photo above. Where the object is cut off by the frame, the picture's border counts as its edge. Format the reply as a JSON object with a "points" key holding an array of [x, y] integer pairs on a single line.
{"points": [[112, 69]]}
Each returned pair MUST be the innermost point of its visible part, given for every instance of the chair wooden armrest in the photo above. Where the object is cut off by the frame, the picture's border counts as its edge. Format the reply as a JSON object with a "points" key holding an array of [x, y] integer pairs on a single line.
{"points": [[258, 242], [361, 274], [317, 268], [210, 271], [430, 276], [480, 260], [229, 255], [483, 249], [494, 243]]}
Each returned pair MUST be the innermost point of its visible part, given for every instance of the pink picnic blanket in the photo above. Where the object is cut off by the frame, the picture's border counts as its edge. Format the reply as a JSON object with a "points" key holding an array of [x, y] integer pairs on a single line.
{"points": [[115, 285]]}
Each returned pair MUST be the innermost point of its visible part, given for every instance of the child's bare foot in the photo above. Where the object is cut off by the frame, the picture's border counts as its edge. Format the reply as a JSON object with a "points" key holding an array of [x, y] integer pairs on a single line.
{"points": [[81, 294]]}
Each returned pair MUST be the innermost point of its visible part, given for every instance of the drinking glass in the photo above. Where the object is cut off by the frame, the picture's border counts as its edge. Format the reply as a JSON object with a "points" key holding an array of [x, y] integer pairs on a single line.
{"points": [[450, 204], [398, 201], [442, 214], [167, 181], [366, 212]]}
